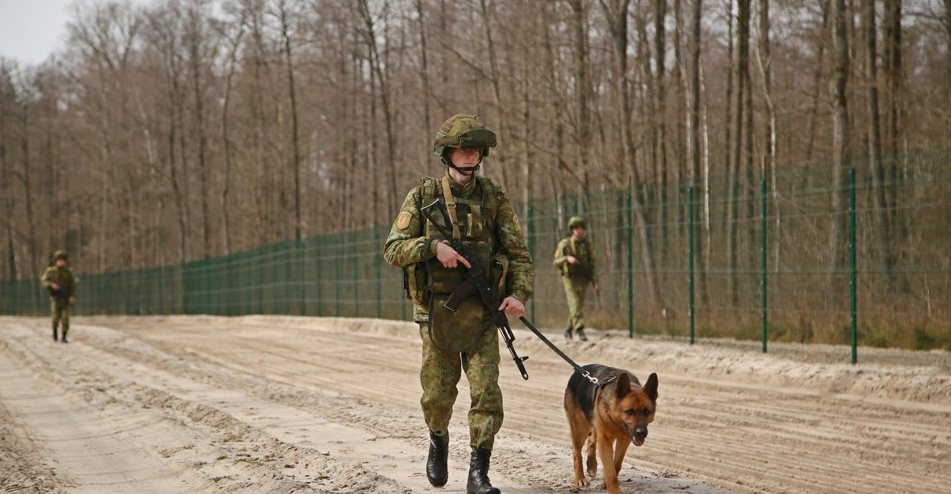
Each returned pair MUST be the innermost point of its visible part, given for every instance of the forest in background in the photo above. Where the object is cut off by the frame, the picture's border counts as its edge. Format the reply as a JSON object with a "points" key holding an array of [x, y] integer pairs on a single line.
{"points": [[187, 129]]}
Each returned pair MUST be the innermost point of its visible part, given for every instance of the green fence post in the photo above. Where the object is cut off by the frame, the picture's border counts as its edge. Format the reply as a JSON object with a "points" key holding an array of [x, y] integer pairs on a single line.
{"points": [[356, 275], [763, 257], [336, 263], [531, 245], [320, 280], [852, 319], [630, 265], [690, 253], [379, 272]]}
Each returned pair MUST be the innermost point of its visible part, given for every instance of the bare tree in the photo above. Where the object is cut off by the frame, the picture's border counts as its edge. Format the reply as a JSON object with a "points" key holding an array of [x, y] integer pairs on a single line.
{"points": [[694, 132], [841, 135], [424, 66], [824, 5], [578, 24], [377, 68], [283, 14], [199, 53], [6, 201], [234, 40], [617, 15], [876, 166], [740, 126]]}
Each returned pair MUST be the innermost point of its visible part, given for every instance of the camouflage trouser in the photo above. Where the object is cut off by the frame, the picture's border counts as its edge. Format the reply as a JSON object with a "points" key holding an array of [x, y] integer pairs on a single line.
{"points": [[440, 374], [575, 290], [59, 308]]}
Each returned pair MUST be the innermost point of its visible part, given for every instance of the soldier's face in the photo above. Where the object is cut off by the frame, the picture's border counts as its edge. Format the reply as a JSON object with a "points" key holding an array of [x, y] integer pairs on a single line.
{"points": [[578, 232], [465, 157], [60, 263]]}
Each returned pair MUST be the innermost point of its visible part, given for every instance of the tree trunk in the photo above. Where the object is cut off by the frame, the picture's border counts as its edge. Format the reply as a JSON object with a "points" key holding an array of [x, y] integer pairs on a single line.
{"points": [[660, 86], [6, 202], [226, 140], [181, 204], [196, 66], [693, 138], [617, 15], [28, 195], [500, 152], [728, 118], [740, 75], [424, 68], [895, 110], [581, 90], [891, 64], [764, 60], [825, 5], [874, 138], [682, 118], [704, 293], [840, 139], [376, 68], [295, 137]]}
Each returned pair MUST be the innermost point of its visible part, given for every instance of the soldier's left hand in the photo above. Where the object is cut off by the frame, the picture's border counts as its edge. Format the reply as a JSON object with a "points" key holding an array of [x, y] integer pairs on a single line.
{"points": [[72, 300], [513, 307]]}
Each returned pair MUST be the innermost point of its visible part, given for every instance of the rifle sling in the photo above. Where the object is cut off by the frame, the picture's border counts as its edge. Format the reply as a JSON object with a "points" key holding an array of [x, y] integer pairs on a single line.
{"points": [[451, 207], [459, 294]]}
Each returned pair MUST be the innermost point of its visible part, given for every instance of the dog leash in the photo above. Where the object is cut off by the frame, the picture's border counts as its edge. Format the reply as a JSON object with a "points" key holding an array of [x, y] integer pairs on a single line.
{"points": [[584, 373]]}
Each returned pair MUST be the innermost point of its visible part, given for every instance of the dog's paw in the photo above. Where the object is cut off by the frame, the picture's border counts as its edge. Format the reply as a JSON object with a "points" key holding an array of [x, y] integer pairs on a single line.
{"points": [[580, 482], [592, 467]]}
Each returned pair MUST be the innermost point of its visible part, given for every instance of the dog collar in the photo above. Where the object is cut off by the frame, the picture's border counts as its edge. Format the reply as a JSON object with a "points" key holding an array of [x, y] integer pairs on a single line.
{"points": [[607, 381]]}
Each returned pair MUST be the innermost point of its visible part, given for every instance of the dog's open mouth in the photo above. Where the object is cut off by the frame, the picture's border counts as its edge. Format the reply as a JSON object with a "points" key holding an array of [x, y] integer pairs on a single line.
{"points": [[638, 441]]}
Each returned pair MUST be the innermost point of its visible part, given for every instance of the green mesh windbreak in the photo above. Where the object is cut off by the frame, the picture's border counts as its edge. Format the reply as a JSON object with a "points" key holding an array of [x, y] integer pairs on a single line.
{"points": [[902, 267]]}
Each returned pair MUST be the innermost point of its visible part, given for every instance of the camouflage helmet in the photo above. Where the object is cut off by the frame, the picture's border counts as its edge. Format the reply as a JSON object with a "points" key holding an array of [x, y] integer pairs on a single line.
{"points": [[576, 221], [463, 131], [60, 254]]}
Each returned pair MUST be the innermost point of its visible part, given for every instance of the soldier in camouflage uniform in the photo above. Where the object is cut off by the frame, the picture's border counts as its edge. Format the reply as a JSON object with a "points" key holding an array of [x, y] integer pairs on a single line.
{"points": [[482, 217], [60, 284], [575, 258]]}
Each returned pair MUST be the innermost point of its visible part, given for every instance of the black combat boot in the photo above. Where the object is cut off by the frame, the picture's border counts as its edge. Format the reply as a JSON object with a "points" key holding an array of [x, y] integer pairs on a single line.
{"points": [[437, 470], [568, 333], [580, 333], [479, 473], [55, 333], [65, 330]]}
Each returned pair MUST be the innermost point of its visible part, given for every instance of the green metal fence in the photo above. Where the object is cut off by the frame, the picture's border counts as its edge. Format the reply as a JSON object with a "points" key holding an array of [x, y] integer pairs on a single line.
{"points": [[768, 256]]}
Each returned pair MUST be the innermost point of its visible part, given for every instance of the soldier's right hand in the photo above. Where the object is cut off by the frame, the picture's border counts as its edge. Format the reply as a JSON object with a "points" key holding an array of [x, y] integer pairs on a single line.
{"points": [[572, 260], [448, 256], [55, 286]]}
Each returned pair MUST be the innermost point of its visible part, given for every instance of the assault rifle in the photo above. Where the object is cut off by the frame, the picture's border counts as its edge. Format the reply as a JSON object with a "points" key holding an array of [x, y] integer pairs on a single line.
{"points": [[475, 279], [586, 271]]}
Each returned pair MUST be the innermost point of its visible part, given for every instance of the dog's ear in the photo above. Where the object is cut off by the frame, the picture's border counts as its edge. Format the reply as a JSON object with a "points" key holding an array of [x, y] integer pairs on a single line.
{"points": [[623, 386], [651, 387]]}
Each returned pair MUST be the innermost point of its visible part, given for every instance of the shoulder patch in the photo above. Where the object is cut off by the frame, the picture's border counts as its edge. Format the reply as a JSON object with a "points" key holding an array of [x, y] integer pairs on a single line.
{"points": [[518, 226], [403, 220]]}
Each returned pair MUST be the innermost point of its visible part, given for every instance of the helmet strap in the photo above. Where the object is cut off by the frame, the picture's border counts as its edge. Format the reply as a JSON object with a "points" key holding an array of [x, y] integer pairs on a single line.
{"points": [[465, 170]]}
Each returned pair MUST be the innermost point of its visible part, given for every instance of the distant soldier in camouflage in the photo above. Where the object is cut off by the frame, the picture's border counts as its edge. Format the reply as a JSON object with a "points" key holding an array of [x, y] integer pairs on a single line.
{"points": [[575, 258], [482, 217], [60, 284]]}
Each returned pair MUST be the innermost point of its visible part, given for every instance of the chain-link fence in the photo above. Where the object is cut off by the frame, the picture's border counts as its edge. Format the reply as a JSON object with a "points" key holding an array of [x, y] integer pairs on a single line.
{"points": [[781, 256]]}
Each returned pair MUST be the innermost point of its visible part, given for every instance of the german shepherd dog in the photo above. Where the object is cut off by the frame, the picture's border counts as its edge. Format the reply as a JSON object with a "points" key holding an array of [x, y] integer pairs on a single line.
{"points": [[610, 416]]}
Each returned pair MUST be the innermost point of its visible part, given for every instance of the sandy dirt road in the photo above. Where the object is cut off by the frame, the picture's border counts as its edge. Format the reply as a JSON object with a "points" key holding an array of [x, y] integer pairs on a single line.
{"points": [[283, 404]]}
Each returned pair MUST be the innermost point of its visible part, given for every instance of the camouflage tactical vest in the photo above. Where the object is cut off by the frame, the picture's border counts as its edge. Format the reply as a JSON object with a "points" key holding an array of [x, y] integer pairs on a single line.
{"points": [[456, 331], [581, 250]]}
